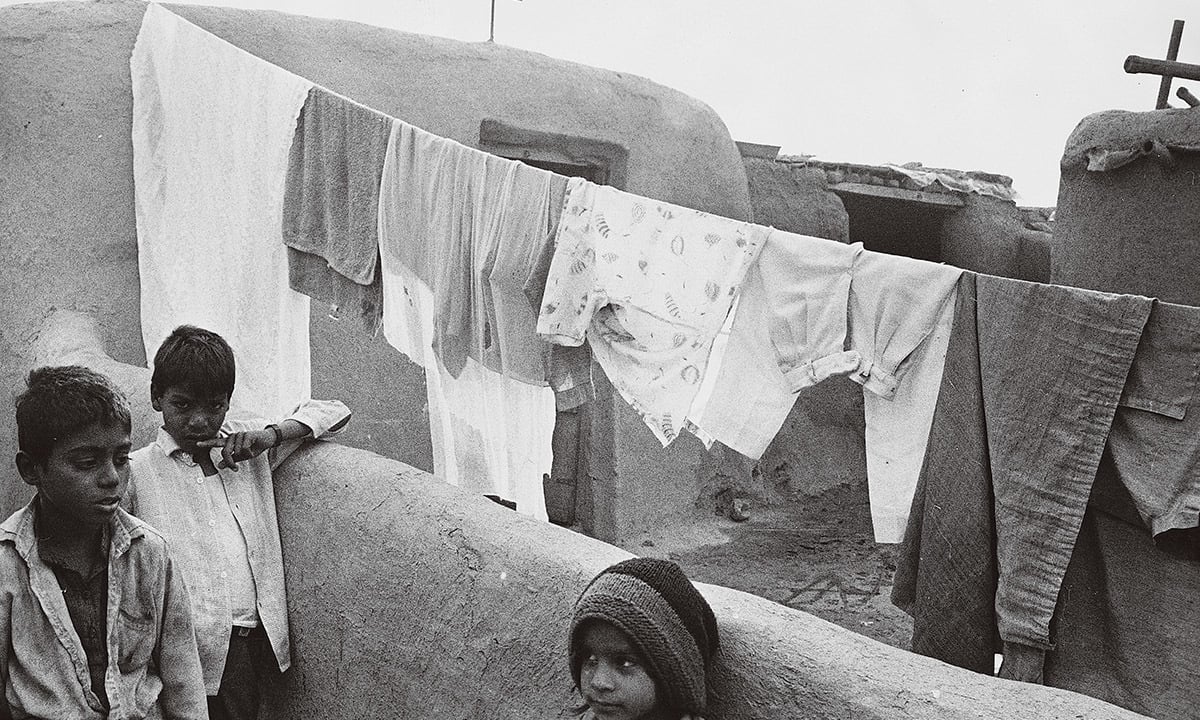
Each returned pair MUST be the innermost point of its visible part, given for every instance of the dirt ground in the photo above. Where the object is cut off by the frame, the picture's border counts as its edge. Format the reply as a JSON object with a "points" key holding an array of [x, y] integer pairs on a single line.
{"points": [[815, 555]]}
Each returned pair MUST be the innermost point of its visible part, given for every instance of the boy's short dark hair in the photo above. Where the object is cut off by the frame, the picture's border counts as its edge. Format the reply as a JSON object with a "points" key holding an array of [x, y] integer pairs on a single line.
{"points": [[60, 400], [195, 359]]}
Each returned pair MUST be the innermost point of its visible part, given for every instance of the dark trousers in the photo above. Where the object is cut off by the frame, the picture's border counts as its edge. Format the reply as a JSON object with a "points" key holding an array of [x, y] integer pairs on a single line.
{"points": [[249, 666]]}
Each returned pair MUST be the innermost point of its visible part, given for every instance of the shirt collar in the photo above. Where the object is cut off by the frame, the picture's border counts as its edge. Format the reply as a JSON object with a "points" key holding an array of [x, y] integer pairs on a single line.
{"points": [[19, 530], [167, 443]]}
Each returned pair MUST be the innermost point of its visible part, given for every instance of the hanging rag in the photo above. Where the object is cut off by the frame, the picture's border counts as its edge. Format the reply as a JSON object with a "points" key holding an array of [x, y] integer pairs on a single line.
{"points": [[786, 333], [946, 567], [520, 223], [901, 310], [212, 126], [649, 284], [1125, 626], [1153, 441], [331, 204], [568, 369], [1051, 364], [490, 433], [471, 226], [1054, 363]]}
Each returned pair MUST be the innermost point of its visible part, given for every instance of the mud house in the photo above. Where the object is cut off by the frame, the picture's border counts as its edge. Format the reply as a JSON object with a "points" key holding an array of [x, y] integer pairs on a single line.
{"points": [[68, 209], [456, 588]]}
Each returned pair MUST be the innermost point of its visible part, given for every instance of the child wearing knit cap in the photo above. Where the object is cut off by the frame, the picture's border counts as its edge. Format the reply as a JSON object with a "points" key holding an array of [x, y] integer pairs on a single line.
{"points": [[641, 640]]}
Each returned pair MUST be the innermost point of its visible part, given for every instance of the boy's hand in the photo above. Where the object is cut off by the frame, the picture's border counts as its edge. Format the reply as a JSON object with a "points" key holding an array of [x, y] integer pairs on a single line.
{"points": [[240, 446]]}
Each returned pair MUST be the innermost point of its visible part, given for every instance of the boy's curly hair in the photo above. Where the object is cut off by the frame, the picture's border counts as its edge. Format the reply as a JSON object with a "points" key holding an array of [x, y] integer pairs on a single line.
{"points": [[60, 400], [198, 360]]}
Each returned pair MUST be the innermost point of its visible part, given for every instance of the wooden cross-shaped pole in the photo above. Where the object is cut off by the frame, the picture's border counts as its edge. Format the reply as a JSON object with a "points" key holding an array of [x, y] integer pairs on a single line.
{"points": [[1164, 87], [1169, 69]]}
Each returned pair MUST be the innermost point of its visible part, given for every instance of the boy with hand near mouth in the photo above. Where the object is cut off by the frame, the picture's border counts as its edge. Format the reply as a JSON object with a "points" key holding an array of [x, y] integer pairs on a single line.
{"points": [[95, 621], [220, 516]]}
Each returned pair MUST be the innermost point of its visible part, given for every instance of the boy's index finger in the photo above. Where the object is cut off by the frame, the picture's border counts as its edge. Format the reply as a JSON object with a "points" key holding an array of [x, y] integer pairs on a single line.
{"points": [[211, 443]]}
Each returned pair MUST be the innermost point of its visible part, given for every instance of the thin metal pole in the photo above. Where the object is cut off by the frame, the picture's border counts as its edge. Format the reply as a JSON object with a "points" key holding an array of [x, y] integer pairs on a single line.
{"points": [[1164, 87], [492, 25]]}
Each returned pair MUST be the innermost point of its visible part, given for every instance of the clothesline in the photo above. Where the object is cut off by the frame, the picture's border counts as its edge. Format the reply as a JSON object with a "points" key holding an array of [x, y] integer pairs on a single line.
{"points": [[702, 323]]}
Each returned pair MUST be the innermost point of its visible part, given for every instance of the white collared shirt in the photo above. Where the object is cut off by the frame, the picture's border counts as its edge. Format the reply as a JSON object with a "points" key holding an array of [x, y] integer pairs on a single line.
{"points": [[169, 490]]}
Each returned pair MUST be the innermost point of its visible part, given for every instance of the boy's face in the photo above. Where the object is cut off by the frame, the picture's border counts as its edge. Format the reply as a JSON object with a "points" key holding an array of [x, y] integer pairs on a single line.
{"points": [[613, 677], [190, 417], [86, 474]]}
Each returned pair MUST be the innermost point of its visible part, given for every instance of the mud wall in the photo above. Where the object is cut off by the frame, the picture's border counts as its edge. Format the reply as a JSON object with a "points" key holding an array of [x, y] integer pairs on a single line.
{"points": [[66, 192], [987, 235], [796, 199], [1132, 228], [409, 598]]}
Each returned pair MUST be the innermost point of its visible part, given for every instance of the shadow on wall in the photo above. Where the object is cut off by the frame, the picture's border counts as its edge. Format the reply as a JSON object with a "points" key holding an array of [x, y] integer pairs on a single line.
{"points": [[409, 598]]}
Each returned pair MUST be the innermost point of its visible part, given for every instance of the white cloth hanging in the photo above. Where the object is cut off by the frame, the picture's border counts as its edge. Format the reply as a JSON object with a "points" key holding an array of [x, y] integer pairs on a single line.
{"points": [[490, 433], [901, 314], [212, 126], [786, 333]]}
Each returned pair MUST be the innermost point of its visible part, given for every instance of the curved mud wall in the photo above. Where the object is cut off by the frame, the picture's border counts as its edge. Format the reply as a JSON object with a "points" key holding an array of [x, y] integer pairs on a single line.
{"points": [[409, 598], [1133, 228], [795, 199], [66, 193], [987, 236]]}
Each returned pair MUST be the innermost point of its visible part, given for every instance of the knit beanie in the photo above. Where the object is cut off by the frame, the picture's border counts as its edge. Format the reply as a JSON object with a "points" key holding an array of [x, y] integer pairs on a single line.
{"points": [[665, 617]]}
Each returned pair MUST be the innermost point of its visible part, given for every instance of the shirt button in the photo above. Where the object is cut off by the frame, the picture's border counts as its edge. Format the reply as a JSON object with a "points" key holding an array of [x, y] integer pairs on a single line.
{"points": [[211, 523], [224, 574]]}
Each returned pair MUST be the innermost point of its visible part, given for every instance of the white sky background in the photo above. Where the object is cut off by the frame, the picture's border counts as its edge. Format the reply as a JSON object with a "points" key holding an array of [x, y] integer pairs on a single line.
{"points": [[966, 84]]}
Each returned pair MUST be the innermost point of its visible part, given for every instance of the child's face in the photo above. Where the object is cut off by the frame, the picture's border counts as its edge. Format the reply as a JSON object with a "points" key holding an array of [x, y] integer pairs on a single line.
{"points": [[85, 476], [189, 417], [613, 678]]}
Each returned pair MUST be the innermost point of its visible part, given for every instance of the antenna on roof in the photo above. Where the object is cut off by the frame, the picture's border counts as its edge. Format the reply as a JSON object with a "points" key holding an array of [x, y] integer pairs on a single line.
{"points": [[492, 26]]}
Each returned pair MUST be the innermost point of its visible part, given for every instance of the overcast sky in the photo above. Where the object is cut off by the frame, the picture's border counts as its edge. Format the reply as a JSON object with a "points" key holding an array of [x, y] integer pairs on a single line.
{"points": [[967, 84]]}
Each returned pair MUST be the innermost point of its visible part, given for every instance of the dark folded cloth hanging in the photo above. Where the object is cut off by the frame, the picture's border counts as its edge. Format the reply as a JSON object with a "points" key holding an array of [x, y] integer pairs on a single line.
{"points": [[1054, 360], [1153, 442], [331, 203], [1126, 618], [1032, 378], [946, 568]]}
